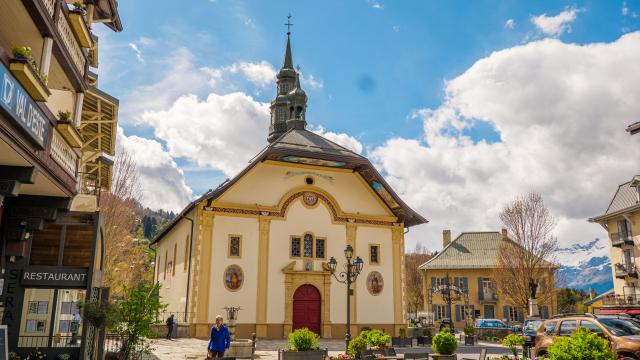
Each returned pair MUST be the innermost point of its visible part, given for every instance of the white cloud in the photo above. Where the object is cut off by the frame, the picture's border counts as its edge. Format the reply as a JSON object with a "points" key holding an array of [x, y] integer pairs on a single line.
{"points": [[222, 132], [376, 5], [555, 25], [560, 109], [162, 182], [311, 82], [342, 139], [625, 9], [136, 51], [510, 24], [261, 74], [396, 28]]}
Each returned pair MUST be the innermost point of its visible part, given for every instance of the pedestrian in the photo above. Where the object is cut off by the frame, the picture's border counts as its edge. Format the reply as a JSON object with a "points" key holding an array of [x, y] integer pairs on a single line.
{"points": [[220, 339], [170, 323], [75, 324]]}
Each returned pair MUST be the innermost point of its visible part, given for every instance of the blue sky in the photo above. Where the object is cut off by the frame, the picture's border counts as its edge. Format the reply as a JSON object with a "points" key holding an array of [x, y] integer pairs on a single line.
{"points": [[376, 71]]}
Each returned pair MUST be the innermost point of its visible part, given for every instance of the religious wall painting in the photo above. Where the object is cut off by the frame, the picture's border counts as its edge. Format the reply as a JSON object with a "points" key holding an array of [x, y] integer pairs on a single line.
{"points": [[375, 283], [312, 161], [235, 245], [384, 194], [233, 277]]}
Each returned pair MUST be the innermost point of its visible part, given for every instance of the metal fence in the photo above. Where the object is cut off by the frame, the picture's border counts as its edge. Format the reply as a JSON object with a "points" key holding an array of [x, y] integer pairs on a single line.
{"points": [[116, 347], [44, 341], [631, 299], [178, 317]]}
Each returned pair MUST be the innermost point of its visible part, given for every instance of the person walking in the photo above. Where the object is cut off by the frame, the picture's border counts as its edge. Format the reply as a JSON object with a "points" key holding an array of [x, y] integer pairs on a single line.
{"points": [[170, 323], [220, 339], [75, 324]]}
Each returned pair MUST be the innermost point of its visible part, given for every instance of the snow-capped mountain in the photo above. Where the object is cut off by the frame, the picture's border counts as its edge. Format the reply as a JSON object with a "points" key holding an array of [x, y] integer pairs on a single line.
{"points": [[585, 266]]}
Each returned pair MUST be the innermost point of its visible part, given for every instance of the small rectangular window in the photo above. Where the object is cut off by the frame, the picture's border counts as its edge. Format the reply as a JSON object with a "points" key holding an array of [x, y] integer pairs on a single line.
{"points": [[308, 245], [64, 326], [31, 325], [38, 307], [320, 248], [235, 244], [374, 254], [68, 308], [295, 247]]}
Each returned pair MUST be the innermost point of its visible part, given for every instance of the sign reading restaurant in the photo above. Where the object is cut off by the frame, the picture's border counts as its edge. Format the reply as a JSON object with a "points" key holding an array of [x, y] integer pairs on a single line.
{"points": [[52, 276], [17, 102]]}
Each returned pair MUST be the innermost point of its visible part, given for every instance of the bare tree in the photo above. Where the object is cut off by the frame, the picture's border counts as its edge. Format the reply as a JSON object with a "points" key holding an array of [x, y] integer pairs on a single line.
{"points": [[528, 253], [126, 259], [413, 277]]}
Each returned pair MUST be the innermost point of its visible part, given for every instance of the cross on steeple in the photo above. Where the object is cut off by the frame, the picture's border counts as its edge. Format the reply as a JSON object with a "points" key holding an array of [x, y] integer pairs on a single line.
{"points": [[288, 24]]}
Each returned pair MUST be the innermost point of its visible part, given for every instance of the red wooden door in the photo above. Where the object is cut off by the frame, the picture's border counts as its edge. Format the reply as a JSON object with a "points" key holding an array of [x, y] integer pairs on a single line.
{"points": [[307, 308]]}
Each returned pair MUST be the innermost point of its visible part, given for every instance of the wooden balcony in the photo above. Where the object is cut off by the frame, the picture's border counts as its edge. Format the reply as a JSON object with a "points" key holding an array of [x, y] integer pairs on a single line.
{"points": [[619, 239], [29, 79], [64, 154]]}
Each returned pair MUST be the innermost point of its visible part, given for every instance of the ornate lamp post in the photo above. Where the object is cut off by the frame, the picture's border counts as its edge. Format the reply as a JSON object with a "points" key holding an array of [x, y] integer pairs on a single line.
{"points": [[348, 276]]}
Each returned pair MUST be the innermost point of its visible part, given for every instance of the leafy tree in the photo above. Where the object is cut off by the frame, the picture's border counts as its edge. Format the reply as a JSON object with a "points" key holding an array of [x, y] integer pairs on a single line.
{"points": [[413, 277], [582, 345], [513, 341], [135, 315], [568, 299]]}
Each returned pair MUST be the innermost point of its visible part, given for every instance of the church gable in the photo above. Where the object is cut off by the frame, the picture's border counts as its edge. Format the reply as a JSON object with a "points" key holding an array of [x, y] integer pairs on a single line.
{"points": [[269, 184]]}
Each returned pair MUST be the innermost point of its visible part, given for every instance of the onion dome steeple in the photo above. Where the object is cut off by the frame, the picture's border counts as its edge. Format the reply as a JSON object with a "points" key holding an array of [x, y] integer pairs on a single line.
{"points": [[289, 107]]}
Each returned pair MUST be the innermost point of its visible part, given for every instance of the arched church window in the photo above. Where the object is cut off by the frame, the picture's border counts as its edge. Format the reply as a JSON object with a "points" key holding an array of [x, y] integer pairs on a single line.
{"points": [[308, 245], [299, 112]]}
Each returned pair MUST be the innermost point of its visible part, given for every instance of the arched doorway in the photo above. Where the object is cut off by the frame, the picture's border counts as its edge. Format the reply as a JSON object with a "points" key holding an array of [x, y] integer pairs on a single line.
{"points": [[307, 308]]}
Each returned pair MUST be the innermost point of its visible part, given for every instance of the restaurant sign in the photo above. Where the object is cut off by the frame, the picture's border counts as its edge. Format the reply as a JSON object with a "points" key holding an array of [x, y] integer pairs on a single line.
{"points": [[53, 276], [17, 102]]}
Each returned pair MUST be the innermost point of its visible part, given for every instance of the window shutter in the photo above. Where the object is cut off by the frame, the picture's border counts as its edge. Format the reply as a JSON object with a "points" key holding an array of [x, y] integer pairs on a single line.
{"points": [[473, 312], [465, 284], [520, 316], [434, 308], [456, 281], [457, 312], [545, 312], [480, 291], [433, 282], [447, 312], [505, 310], [543, 284]]}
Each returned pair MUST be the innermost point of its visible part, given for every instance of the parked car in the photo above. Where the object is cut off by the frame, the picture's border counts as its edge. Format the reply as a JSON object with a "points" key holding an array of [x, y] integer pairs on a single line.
{"points": [[529, 331], [491, 324], [446, 322], [622, 333]]}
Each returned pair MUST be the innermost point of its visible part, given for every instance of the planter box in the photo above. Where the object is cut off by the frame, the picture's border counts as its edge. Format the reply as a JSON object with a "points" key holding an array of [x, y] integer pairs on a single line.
{"points": [[29, 79], [241, 348], [70, 133], [443, 357], [400, 341], [469, 340], [80, 29], [302, 355]]}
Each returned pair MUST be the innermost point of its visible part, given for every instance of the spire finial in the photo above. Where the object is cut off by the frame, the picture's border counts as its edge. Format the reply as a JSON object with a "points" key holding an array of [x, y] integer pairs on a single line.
{"points": [[288, 25]]}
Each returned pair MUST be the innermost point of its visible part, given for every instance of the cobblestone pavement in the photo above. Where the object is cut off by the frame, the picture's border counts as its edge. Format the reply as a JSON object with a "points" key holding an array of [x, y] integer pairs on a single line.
{"points": [[182, 349]]}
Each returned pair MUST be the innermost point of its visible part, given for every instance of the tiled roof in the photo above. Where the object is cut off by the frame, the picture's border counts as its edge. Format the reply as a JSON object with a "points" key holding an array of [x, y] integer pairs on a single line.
{"points": [[626, 198], [470, 250], [309, 141]]}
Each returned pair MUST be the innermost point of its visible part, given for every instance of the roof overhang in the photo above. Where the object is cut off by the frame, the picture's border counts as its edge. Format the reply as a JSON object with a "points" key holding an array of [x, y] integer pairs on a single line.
{"points": [[634, 128], [605, 217], [106, 12]]}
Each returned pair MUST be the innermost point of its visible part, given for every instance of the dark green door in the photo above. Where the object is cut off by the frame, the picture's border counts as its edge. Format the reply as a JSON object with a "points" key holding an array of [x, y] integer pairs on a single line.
{"points": [[489, 312]]}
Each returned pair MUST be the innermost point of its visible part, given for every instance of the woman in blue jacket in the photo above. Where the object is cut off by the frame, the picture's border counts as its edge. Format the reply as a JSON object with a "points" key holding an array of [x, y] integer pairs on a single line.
{"points": [[220, 339]]}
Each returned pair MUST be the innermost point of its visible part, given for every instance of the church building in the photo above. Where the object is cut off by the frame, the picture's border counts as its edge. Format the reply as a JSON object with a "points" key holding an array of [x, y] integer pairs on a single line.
{"points": [[262, 240]]}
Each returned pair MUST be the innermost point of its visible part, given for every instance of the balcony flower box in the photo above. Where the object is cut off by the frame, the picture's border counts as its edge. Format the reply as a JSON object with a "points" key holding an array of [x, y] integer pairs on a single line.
{"points": [[80, 28], [29, 79], [68, 130]]}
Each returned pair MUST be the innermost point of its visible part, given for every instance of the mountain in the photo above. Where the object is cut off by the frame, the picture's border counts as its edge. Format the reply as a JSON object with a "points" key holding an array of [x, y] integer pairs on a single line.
{"points": [[585, 265]]}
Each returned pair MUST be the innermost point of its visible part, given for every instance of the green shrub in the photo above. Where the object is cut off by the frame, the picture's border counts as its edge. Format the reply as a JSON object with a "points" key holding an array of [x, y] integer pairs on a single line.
{"points": [[469, 330], [512, 341], [358, 343], [403, 332], [377, 339], [303, 340], [582, 345], [444, 343], [365, 329]]}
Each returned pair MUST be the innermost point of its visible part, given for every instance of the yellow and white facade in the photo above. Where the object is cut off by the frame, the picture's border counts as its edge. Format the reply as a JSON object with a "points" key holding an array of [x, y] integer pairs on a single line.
{"points": [[262, 240]]}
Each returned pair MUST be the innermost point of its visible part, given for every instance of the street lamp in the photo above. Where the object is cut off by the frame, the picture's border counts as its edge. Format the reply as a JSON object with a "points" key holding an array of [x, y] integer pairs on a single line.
{"points": [[348, 276]]}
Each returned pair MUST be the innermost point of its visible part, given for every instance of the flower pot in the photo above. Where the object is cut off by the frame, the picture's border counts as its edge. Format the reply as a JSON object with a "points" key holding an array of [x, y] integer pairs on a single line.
{"points": [[70, 133], [76, 19], [29, 79], [444, 357], [469, 340], [302, 355]]}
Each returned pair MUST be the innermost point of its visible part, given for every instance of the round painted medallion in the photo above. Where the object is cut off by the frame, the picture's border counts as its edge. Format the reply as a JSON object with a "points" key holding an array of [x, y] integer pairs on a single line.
{"points": [[309, 198], [233, 277], [375, 284]]}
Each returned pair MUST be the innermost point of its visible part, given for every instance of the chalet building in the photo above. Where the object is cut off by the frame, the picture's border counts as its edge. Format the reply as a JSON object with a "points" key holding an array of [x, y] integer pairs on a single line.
{"points": [[622, 222], [262, 240], [469, 262], [57, 140]]}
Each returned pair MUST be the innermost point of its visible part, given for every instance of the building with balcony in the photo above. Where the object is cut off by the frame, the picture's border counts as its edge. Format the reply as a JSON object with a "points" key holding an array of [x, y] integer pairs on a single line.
{"points": [[621, 219], [468, 263], [57, 140]]}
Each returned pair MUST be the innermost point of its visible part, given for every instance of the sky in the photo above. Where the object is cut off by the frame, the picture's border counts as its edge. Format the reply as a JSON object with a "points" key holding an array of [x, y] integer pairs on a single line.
{"points": [[461, 105]]}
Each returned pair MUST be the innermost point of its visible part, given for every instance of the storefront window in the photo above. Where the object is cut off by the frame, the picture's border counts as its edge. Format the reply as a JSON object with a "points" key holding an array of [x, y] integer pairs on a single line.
{"points": [[36, 315]]}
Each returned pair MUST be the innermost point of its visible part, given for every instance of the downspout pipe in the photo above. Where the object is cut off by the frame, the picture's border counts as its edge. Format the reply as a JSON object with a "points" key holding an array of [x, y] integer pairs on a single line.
{"points": [[186, 305]]}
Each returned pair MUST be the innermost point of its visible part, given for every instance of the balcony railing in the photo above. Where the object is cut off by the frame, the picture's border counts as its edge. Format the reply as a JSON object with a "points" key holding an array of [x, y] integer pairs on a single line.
{"points": [[623, 270], [44, 341], [51, 6], [63, 154], [621, 238], [70, 42], [490, 296], [629, 300]]}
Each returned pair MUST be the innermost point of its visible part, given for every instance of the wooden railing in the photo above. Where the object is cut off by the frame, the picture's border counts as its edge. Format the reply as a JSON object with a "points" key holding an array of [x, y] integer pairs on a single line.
{"points": [[70, 42], [63, 154], [51, 6]]}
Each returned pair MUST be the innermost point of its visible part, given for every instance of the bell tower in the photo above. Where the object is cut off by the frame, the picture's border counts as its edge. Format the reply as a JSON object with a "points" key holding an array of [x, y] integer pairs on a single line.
{"points": [[288, 109]]}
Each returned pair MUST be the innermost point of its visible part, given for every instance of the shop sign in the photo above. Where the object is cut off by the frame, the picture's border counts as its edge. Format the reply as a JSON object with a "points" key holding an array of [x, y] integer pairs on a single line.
{"points": [[17, 102], [52, 276]]}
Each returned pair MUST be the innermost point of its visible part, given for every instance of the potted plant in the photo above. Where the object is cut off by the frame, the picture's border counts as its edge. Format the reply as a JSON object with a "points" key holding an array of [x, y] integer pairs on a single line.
{"points": [[469, 338], [64, 356], [23, 66], [14, 356], [377, 340], [36, 355], [512, 342], [68, 129], [303, 345], [444, 344], [79, 7], [79, 26], [357, 344]]}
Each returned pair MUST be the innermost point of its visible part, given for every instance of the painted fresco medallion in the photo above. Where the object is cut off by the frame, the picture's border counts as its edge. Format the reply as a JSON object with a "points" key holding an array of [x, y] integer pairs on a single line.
{"points": [[233, 277], [310, 199], [375, 284], [384, 194]]}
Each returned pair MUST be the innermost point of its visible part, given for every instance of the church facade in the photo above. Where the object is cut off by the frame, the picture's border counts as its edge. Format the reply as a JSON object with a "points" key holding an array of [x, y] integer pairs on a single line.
{"points": [[262, 240]]}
